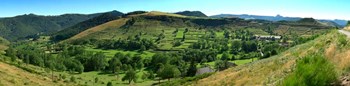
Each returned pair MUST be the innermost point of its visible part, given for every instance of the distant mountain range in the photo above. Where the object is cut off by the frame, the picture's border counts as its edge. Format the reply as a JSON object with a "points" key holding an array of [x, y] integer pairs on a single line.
{"points": [[340, 23]]}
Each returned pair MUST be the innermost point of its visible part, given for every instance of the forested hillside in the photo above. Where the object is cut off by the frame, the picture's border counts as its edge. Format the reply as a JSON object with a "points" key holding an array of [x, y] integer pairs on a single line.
{"points": [[20, 27], [73, 30]]}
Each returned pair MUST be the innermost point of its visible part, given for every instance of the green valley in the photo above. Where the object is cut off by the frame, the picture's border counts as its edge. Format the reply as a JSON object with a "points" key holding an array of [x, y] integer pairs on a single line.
{"points": [[168, 43]]}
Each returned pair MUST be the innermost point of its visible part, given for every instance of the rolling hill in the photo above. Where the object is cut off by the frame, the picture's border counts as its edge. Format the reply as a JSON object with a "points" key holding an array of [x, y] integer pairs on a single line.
{"points": [[151, 24], [192, 13], [19, 27], [73, 30]]}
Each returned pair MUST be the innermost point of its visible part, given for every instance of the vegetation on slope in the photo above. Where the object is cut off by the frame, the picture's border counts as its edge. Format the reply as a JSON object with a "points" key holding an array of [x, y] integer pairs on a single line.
{"points": [[19, 27], [80, 27], [13, 74], [312, 70], [3, 44], [334, 46], [192, 13], [152, 24]]}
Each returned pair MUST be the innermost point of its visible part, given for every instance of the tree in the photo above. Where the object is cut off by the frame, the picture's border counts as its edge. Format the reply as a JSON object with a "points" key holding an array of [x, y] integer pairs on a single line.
{"points": [[227, 34], [224, 48], [98, 61], [176, 43], [72, 79], [249, 46], [109, 84], [219, 65], [130, 76], [192, 69], [114, 65], [157, 59], [80, 68], [225, 56], [142, 48], [96, 80], [27, 59], [169, 71], [51, 66], [236, 46], [10, 52]]}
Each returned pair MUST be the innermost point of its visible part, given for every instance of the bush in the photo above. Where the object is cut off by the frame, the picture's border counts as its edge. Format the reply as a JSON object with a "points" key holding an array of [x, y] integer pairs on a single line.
{"points": [[109, 84], [313, 70], [342, 40], [72, 79]]}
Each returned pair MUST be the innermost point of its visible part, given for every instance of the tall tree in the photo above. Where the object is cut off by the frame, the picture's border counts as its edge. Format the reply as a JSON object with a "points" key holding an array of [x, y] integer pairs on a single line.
{"points": [[225, 56], [169, 71], [130, 76], [11, 52], [236, 46], [114, 65]]}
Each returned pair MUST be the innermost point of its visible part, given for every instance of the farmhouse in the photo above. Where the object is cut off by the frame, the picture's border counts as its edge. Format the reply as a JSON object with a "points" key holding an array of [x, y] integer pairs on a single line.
{"points": [[268, 37]]}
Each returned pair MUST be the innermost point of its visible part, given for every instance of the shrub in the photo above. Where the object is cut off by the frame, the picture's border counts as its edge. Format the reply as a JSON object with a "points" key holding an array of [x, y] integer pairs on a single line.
{"points": [[312, 70], [185, 81], [342, 40], [72, 79], [109, 84]]}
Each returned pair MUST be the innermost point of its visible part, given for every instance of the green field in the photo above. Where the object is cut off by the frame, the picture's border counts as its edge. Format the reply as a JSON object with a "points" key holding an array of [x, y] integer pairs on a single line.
{"points": [[111, 53]]}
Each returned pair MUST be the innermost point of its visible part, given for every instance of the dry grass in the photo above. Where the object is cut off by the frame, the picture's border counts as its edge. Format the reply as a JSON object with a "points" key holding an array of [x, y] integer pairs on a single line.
{"points": [[347, 28], [3, 47], [13, 76], [112, 24], [272, 70]]}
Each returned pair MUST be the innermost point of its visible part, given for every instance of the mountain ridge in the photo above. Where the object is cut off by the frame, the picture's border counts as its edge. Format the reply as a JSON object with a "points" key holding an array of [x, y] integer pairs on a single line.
{"points": [[19, 27], [340, 22]]}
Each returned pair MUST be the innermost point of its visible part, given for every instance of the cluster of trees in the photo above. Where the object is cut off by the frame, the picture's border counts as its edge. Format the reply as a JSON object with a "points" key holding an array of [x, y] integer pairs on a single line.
{"points": [[34, 56], [131, 43], [244, 35]]}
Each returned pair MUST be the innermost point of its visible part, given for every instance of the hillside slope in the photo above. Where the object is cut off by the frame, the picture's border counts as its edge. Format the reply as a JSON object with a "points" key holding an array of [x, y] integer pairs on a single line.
{"points": [[73, 30], [336, 22], [18, 27], [192, 13], [13, 76], [151, 24], [271, 71]]}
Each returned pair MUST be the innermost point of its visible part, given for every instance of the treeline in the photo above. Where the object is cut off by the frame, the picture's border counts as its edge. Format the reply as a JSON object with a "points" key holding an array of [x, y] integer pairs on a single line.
{"points": [[128, 44], [131, 43]]}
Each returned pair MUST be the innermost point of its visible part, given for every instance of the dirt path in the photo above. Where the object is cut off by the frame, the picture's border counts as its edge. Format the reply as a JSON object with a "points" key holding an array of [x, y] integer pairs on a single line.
{"points": [[347, 33]]}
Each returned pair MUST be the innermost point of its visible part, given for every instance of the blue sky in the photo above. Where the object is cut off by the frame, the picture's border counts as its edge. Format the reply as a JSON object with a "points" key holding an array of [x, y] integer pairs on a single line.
{"points": [[321, 9]]}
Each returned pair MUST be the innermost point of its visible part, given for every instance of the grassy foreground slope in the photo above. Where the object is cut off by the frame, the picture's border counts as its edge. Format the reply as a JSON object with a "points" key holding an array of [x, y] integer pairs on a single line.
{"points": [[271, 71], [14, 76]]}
